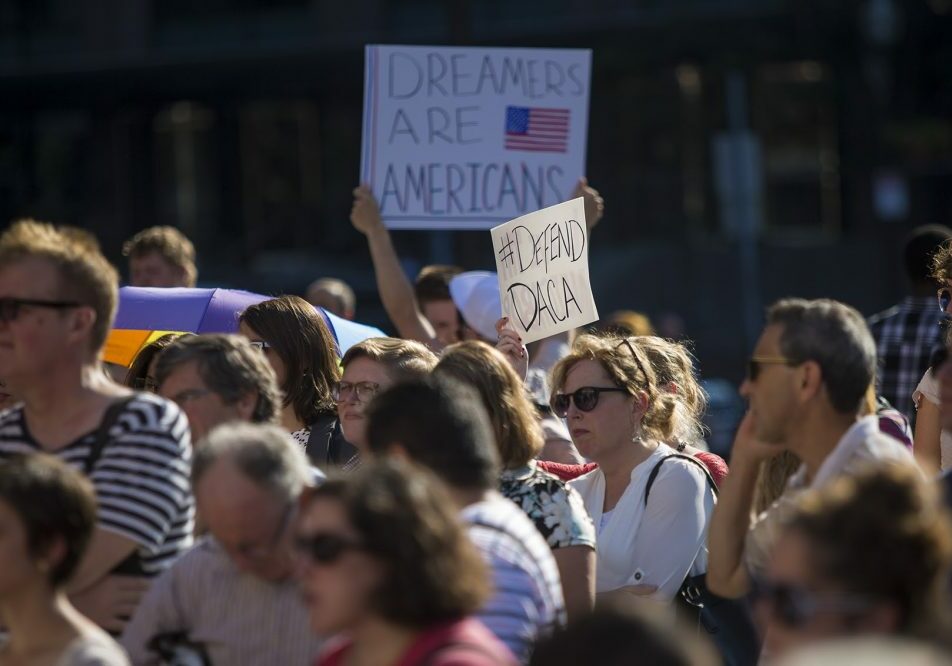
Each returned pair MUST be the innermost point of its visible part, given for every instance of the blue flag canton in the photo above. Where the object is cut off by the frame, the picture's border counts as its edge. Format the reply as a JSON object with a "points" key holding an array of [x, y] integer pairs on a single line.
{"points": [[517, 120]]}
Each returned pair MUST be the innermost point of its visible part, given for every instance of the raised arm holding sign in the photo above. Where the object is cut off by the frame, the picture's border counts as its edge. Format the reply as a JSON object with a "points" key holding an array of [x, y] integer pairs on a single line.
{"points": [[542, 262]]}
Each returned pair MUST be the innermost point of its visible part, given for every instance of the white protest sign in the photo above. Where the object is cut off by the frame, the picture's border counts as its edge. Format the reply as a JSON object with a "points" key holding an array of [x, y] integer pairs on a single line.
{"points": [[542, 263], [467, 137]]}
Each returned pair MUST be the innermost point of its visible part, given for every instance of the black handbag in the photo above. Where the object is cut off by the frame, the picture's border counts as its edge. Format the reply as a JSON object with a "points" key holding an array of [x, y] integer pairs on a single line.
{"points": [[728, 622]]}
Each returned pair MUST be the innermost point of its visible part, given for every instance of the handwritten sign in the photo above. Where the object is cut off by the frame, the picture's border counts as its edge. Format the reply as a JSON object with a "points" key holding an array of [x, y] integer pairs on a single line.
{"points": [[466, 138], [542, 263]]}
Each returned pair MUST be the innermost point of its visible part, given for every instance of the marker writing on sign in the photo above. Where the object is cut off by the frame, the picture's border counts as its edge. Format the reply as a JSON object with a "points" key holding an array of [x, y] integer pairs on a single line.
{"points": [[548, 299]]}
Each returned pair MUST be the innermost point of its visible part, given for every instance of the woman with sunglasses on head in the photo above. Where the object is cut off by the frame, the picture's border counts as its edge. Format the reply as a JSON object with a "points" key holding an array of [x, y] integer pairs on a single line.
{"points": [[301, 349], [369, 367], [47, 519], [387, 568], [649, 539], [865, 555], [556, 509]]}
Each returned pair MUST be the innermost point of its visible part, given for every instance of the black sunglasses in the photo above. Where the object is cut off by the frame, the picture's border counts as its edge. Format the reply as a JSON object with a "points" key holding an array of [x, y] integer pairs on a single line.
{"points": [[10, 307], [795, 606], [754, 363], [324, 548], [585, 398]]}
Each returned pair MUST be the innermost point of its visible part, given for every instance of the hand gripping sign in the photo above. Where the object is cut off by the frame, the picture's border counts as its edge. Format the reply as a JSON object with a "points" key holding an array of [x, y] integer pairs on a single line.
{"points": [[542, 262], [469, 137]]}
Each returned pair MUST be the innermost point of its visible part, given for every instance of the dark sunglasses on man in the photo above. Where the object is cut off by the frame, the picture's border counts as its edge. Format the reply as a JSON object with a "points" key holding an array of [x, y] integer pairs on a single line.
{"points": [[10, 307]]}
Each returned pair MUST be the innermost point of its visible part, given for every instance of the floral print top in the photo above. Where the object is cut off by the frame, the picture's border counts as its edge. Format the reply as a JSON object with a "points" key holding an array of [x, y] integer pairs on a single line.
{"points": [[556, 509]]}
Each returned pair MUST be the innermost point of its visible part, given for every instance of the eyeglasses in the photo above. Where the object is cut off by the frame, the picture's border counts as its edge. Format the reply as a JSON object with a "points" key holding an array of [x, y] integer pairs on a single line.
{"points": [[585, 399], [945, 298], [10, 307], [188, 395], [364, 391], [260, 345], [146, 384], [795, 606], [754, 363], [323, 547]]}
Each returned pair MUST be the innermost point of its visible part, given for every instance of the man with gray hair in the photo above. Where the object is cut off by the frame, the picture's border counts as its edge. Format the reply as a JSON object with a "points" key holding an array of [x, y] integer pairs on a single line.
{"points": [[232, 596], [806, 382], [218, 378]]}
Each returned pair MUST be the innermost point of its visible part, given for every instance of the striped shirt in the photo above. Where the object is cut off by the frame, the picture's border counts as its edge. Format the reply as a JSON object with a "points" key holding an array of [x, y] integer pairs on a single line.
{"points": [[527, 602], [238, 618], [141, 477]]}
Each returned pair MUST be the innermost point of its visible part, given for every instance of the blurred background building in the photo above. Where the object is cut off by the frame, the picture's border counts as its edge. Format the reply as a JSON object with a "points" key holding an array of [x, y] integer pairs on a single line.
{"points": [[747, 149]]}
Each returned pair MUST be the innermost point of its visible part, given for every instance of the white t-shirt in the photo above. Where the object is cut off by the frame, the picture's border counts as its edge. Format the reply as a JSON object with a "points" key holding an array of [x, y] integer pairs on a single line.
{"points": [[929, 389]]}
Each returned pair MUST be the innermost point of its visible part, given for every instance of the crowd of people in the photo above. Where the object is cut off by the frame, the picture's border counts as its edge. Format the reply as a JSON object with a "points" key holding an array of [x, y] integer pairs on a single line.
{"points": [[451, 496]]}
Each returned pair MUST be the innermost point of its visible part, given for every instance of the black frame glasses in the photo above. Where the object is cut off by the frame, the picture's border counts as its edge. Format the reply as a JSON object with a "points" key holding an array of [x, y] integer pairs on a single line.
{"points": [[754, 363], [585, 399], [10, 307], [325, 547], [341, 391]]}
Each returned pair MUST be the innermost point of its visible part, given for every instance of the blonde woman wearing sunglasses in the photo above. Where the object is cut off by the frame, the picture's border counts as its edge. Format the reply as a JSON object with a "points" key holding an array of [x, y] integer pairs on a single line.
{"points": [[617, 416]]}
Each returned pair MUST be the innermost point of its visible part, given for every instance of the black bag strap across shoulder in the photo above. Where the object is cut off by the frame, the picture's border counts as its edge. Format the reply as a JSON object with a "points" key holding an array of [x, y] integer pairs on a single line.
{"points": [[657, 468], [101, 436]]}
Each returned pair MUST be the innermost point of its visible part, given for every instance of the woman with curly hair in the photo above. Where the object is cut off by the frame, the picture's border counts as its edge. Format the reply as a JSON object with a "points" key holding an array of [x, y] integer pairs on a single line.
{"points": [[651, 507]]}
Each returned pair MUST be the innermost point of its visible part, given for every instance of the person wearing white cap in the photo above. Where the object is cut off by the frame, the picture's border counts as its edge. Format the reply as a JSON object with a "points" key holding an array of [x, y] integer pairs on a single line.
{"points": [[476, 294]]}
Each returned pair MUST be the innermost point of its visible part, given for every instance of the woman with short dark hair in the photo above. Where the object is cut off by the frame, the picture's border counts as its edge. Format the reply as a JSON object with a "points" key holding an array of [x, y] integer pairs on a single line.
{"points": [[47, 518], [385, 563]]}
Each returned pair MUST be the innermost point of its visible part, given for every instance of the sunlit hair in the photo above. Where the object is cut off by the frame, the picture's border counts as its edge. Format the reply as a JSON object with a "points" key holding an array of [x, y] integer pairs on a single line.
{"points": [[264, 453], [299, 336], [628, 368], [407, 521], [170, 244], [883, 534], [84, 274], [402, 359], [674, 369], [515, 425]]}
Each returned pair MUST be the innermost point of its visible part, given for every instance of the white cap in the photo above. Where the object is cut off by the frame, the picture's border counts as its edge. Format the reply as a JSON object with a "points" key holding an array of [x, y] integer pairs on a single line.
{"points": [[476, 296]]}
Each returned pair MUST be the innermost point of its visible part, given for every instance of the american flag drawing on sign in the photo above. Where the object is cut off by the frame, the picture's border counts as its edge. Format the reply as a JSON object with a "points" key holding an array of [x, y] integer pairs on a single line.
{"points": [[541, 130]]}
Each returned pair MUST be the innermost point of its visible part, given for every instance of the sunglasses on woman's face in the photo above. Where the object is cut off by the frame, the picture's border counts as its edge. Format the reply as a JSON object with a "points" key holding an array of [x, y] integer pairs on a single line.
{"points": [[585, 399], [323, 547]]}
